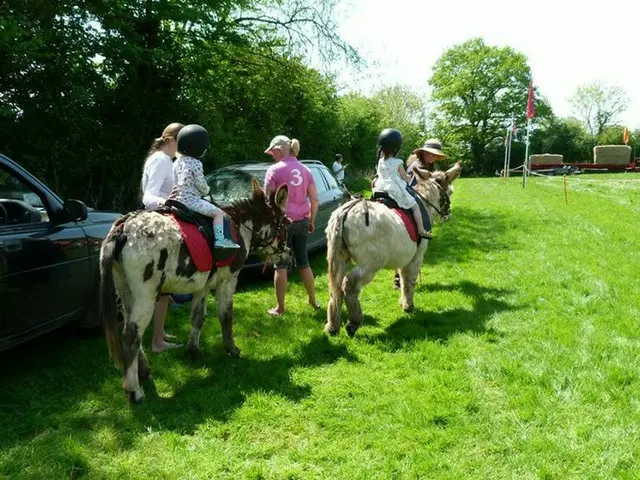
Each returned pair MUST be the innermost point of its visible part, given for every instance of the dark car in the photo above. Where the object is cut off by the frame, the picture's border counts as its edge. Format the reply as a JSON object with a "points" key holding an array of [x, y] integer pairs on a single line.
{"points": [[232, 182], [49, 251]]}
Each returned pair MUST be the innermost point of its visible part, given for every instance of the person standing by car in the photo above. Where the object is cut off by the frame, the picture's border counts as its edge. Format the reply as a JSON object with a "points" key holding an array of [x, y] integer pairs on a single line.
{"points": [[302, 207], [157, 182], [338, 169]]}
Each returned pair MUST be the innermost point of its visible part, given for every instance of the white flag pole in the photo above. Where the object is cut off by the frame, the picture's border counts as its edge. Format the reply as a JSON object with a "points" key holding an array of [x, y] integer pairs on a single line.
{"points": [[525, 166], [506, 153], [510, 141]]}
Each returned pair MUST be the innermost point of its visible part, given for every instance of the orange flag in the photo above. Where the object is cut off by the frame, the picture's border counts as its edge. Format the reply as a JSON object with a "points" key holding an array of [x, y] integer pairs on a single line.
{"points": [[625, 136]]}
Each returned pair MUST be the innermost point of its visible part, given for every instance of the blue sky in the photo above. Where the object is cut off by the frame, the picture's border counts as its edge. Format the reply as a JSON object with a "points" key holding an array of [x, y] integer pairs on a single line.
{"points": [[568, 43]]}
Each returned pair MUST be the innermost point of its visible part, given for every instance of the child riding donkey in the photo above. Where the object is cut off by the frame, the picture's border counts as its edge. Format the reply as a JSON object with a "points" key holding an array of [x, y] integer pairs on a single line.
{"points": [[190, 184]]}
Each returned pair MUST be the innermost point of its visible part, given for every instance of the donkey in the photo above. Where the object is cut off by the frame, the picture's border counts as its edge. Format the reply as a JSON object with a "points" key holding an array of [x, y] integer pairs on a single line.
{"points": [[383, 243], [144, 255]]}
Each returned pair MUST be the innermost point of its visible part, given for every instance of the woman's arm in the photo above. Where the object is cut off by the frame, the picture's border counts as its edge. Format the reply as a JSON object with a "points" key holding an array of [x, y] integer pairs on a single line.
{"points": [[158, 171], [312, 193]]}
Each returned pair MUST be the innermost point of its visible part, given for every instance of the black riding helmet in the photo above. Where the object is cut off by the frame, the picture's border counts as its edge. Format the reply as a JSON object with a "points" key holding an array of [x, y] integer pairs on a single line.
{"points": [[390, 140], [193, 140]]}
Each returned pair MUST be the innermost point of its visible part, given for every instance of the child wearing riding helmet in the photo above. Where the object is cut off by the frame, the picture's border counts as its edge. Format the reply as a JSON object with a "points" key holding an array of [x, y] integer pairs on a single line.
{"points": [[189, 182], [392, 177]]}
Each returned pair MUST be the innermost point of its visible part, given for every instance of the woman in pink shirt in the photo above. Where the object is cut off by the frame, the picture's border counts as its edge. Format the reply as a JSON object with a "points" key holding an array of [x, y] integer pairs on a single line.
{"points": [[302, 206]]}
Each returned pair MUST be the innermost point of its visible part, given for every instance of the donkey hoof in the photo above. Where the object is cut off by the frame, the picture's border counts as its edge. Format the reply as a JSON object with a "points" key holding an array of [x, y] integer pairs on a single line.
{"points": [[408, 308], [232, 351], [136, 396], [352, 329], [194, 353], [333, 331]]}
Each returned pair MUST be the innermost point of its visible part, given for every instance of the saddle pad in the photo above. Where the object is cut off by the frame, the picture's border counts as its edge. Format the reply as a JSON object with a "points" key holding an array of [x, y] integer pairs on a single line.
{"points": [[409, 223], [197, 244], [199, 247]]}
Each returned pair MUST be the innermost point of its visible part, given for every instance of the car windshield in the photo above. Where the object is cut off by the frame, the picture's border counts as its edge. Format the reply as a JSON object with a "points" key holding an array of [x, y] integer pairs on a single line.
{"points": [[229, 184]]}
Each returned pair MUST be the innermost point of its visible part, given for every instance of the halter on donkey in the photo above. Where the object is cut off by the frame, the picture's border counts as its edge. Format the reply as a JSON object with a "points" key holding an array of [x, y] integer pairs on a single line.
{"points": [[383, 243], [144, 255]]}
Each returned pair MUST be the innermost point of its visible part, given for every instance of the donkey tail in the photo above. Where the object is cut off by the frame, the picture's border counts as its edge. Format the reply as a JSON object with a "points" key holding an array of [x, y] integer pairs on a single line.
{"points": [[110, 250], [337, 253]]}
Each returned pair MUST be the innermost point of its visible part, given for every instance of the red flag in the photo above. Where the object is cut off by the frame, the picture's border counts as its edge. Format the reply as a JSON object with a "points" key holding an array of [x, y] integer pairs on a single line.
{"points": [[625, 136], [531, 109]]}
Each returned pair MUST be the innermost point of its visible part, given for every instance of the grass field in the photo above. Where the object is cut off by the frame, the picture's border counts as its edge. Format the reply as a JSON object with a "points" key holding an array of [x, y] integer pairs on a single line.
{"points": [[522, 361]]}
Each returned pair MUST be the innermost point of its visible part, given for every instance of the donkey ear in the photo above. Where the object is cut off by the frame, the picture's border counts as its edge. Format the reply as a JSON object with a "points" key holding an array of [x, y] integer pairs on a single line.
{"points": [[281, 197], [422, 173], [257, 190], [454, 172]]}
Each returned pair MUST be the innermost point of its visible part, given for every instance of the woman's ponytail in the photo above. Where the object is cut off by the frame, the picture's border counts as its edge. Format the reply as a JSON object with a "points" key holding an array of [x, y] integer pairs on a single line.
{"points": [[157, 145], [295, 147]]}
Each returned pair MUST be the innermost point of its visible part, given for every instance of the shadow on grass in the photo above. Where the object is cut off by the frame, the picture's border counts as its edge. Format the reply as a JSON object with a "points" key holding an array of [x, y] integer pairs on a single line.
{"points": [[440, 326], [229, 381], [62, 398]]}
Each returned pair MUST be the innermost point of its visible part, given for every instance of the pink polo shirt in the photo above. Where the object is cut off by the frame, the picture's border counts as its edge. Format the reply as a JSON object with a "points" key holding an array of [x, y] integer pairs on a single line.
{"points": [[290, 172]]}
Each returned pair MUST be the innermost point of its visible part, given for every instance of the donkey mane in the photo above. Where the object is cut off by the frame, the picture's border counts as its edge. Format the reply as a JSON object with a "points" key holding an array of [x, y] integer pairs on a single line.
{"points": [[248, 208]]}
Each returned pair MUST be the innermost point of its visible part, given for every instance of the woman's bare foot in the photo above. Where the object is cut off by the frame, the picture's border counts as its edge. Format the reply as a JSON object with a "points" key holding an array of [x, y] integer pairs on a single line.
{"points": [[275, 312]]}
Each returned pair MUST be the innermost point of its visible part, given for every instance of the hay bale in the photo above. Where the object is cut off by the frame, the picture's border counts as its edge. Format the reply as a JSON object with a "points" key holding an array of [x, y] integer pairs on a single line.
{"points": [[612, 154], [545, 159]]}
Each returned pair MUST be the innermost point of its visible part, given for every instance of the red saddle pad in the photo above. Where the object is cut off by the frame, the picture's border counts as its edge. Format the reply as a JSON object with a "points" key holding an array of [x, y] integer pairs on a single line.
{"points": [[408, 223], [199, 247]]}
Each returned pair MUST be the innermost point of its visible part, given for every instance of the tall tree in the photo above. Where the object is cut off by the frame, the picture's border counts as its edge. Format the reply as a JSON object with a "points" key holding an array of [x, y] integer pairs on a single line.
{"points": [[476, 88], [599, 105]]}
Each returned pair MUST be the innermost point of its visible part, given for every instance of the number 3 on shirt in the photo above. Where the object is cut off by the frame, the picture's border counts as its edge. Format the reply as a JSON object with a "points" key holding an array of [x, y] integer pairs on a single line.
{"points": [[297, 177]]}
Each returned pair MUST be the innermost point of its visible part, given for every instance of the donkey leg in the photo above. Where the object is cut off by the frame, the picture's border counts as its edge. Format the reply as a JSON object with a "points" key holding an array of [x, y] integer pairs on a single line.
{"points": [[352, 286], [134, 328], [224, 297], [126, 305], [198, 315], [408, 276], [336, 297]]}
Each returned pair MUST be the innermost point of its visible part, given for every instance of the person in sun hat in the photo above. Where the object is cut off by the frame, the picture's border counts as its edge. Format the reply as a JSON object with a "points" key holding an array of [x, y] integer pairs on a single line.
{"points": [[425, 157]]}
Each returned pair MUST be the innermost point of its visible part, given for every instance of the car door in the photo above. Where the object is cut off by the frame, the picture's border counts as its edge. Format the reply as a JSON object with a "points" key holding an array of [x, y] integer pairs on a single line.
{"points": [[338, 195], [325, 202], [44, 267]]}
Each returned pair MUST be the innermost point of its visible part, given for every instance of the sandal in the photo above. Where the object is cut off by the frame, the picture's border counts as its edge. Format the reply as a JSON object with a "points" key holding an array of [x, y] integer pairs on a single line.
{"points": [[274, 312], [426, 235], [315, 306], [167, 346]]}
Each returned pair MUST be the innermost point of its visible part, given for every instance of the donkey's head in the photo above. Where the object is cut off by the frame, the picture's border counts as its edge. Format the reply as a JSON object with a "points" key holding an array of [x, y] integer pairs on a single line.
{"points": [[436, 189], [264, 219]]}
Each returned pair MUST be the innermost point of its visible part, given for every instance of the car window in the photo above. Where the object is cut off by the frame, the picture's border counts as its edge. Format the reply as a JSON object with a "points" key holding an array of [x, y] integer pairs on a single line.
{"points": [[19, 203], [228, 185], [321, 185], [330, 179]]}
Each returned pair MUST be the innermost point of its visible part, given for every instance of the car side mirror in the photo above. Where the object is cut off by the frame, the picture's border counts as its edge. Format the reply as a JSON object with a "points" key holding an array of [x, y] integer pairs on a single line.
{"points": [[75, 210]]}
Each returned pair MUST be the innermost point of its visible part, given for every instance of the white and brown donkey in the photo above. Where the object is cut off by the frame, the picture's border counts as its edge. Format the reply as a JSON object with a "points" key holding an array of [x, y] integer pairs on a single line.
{"points": [[374, 237], [144, 256]]}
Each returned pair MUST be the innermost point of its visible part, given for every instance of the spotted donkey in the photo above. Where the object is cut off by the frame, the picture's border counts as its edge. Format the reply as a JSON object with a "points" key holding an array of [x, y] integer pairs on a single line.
{"points": [[144, 256]]}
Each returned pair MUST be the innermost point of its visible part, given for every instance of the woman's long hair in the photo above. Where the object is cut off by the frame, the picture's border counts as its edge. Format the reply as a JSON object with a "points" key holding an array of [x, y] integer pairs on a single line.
{"points": [[170, 131]]}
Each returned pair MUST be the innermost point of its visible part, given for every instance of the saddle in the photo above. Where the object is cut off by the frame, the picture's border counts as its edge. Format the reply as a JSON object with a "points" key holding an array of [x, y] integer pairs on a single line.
{"points": [[405, 215], [197, 232]]}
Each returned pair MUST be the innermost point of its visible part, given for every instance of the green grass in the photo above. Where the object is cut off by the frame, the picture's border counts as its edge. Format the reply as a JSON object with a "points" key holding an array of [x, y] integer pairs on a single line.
{"points": [[522, 361]]}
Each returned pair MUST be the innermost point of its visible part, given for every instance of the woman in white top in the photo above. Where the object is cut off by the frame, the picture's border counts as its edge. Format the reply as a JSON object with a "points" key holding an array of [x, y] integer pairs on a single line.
{"points": [[157, 182]]}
